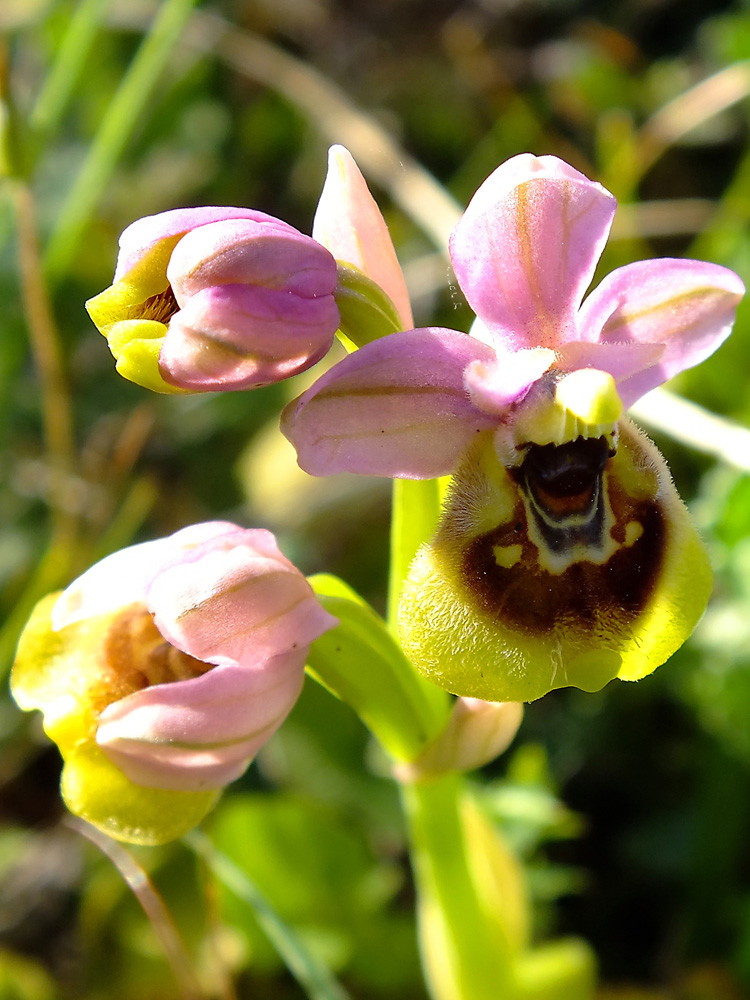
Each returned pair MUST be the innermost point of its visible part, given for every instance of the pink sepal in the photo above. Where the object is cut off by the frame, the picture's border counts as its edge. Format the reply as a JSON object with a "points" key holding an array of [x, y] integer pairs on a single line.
{"points": [[234, 600], [268, 254], [123, 577], [526, 248], [243, 337], [349, 223]]}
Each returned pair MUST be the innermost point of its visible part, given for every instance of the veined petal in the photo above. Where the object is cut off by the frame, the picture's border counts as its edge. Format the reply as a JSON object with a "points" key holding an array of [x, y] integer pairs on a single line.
{"points": [[123, 577], [142, 236], [396, 407], [526, 248], [202, 733], [234, 600], [242, 337], [244, 251], [349, 223], [687, 305]]}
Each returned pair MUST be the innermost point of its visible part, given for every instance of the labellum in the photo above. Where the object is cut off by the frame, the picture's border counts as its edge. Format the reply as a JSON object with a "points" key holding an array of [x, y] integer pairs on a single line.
{"points": [[576, 565]]}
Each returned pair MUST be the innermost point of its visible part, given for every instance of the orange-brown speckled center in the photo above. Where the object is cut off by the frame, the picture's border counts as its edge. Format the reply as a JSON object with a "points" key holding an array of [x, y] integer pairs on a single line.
{"points": [[135, 655]]}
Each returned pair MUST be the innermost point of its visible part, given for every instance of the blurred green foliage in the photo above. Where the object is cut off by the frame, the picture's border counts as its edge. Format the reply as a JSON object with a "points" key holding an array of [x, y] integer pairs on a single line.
{"points": [[648, 859]]}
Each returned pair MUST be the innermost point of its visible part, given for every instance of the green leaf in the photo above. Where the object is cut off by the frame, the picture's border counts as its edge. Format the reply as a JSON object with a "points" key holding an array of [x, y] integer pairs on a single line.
{"points": [[71, 54], [125, 111], [465, 951], [561, 970], [309, 972]]}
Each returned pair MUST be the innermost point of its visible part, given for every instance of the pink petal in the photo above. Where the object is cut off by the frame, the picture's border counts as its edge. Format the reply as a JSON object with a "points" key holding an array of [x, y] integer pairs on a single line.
{"points": [[349, 222], [526, 248], [123, 577], [243, 251], [687, 305], [494, 387], [201, 733], [241, 337], [396, 407], [234, 600], [143, 234], [620, 360]]}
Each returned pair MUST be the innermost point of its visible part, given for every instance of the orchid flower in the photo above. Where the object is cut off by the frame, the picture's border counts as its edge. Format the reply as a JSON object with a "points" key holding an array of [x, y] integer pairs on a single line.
{"points": [[564, 554], [163, 669], [217, 298]]}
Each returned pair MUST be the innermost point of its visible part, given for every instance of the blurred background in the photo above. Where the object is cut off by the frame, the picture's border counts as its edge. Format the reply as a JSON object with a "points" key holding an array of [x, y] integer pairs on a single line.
{"points": [[630, 809]]}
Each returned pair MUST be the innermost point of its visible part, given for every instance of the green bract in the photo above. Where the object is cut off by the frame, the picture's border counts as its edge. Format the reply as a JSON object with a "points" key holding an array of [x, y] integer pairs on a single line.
{"points": [[367, 313], [361, 663]]}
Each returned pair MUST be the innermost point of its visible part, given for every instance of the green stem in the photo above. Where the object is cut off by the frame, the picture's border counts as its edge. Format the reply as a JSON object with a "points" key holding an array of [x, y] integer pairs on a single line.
{"points": [[125, 109], [57, 419], [464, 955], [45, 342]]}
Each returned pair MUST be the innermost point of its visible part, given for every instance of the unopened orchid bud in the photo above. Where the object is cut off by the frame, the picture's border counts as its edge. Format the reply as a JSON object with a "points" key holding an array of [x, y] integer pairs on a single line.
{"points": [[209, 299], [476, 733], [162, 671]]}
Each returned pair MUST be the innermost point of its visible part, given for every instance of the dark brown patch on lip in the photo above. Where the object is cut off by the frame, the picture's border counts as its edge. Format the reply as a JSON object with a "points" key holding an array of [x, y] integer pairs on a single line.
{"points": [[584, 597], [565, 470]]}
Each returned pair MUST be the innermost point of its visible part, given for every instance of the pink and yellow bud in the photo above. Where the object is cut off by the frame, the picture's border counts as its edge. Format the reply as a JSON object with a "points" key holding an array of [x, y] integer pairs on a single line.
{"points": [[217, 298], [163, 670]]}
